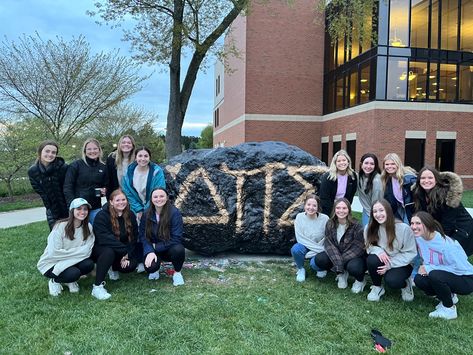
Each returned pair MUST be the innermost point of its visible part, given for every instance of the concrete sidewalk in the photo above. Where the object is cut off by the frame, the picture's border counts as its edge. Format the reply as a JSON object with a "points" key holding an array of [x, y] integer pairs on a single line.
{"points": [[22, 217]]}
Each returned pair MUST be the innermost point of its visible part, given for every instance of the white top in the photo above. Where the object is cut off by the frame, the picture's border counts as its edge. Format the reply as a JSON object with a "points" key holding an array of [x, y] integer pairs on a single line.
{"points": [[341, 231], [310, 232], [139, 183]]}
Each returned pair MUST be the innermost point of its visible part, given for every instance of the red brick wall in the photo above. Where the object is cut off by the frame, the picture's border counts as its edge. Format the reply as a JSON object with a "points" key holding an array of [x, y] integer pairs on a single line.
{"points": [[233, 136]]}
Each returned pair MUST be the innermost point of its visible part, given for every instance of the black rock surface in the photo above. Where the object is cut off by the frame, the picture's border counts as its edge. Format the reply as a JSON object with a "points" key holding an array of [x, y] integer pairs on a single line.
{"points": [[242, 198]]}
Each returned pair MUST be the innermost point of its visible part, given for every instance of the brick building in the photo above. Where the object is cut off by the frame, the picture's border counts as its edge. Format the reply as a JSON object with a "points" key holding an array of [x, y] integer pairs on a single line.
{"points": [[410, 91]]}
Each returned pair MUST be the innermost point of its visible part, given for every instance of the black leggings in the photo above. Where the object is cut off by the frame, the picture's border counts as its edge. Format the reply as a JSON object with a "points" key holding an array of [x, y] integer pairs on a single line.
{"points": [[106, 257], [72, 273], [393, 278], [443, 283], [356, 267], [175, 254]]}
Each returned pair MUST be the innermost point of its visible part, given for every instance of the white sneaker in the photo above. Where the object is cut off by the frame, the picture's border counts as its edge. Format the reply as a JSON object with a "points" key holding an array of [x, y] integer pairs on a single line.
{"points": [[54, 288], [407, 293], [321, 274], [454, 300], [73, 287], [113, 275], [140, 268], [153, 275], [177, 279], [444, 312], [342, 280], [99, 292], [375, 293], [358, 286], [300, 276]]}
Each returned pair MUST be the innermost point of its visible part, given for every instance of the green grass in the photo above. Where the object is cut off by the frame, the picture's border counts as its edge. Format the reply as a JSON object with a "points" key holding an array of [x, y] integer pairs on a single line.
{"points": [[255, 308], [6, 206], [20, 187], [467, 199]]}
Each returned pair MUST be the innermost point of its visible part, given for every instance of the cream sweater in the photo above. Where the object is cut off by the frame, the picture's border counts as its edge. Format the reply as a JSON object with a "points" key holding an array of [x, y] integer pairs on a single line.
{"points": [[311, 232]]}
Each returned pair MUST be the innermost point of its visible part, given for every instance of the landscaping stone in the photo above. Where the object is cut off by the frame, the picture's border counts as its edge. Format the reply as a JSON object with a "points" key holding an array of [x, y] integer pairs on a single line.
{"points": [[243, 198]]}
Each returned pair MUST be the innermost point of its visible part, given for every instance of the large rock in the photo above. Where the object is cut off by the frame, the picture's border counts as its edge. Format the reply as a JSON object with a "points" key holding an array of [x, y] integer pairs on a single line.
{"points": [[242, 198]]}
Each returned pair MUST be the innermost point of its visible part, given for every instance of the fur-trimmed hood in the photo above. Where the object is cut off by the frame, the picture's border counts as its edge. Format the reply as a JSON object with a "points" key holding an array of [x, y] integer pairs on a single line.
{"points": [[455, 192]]}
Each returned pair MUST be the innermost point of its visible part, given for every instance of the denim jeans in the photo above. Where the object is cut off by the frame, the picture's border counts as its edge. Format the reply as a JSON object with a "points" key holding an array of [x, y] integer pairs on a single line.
{"points": [[92, 214], [298, 252], [365, 218]]}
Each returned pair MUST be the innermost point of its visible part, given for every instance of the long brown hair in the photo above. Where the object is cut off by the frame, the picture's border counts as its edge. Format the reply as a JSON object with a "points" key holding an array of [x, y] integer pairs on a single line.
{"points": [[164, 219], [70, 229], [373, 226], [333, 221], [430, 224], [44, 144], [370, 177], [126, 216], [435, 197]]}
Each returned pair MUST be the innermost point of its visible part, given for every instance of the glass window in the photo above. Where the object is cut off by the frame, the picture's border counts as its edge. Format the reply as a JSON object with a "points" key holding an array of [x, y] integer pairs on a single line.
{"points": [[420, 23], [414, 153], [397, 79], [341, 52], [466, 83], [433, 84], [399, 23], [466, 41], [434, 25], [449, 24], [355, 44], [417, 78], [366, 41], [353, 87], [448, 82], [339, 97], [330, 97], [365, 83]]}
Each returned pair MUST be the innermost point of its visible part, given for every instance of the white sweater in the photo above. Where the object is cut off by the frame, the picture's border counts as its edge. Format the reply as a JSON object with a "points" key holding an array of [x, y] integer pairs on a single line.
{"points": [[61, 252], [311, 232]]}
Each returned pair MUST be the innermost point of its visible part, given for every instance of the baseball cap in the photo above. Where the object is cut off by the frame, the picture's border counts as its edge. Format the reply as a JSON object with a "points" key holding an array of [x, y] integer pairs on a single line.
{"points": [[77, 202]]}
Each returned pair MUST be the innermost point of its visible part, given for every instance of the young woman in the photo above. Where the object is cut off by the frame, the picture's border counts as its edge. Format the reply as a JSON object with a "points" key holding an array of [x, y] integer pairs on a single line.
{"points": [[47, 179], [118, 161], [340, 181], [87, 177], [66, 257], [309, 227], [370, 188], [344, 247], [440, 194], [446, 270], [397, 183], [161, 234], [142, 177], [116, 233], [391, 247]]}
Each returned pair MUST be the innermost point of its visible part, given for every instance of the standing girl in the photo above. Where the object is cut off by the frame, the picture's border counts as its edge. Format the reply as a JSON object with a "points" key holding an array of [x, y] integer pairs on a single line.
{"points": [[370, 188], [87, 177], [339, 181], [161, 234], [47, 179], [391, 247], [440, 194], [344, 247], [142, 177], [115, 250], [445, 270], [118, 161], [309, 227], [66, 257], [397, 183]]}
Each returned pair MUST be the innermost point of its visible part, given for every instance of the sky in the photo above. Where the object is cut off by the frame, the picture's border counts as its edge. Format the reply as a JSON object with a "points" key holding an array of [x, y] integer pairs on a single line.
{"points": [[68, 18]]}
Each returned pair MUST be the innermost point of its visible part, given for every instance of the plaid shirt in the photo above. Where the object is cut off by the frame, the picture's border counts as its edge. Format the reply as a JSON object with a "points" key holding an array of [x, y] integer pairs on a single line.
{"points": [[352, 245]]}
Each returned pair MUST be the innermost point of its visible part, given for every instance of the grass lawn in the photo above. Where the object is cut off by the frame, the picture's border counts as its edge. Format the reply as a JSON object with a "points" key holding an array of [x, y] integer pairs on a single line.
{"points": [[467, 199], [247, 308]]}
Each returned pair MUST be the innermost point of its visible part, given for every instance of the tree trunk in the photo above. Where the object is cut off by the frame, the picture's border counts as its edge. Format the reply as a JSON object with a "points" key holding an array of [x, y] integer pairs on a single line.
{"points": [[9, 187]]}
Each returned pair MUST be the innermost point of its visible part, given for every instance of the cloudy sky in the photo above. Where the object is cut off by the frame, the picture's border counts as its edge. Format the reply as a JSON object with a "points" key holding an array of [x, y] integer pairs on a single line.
{"points": [[68, 18]]}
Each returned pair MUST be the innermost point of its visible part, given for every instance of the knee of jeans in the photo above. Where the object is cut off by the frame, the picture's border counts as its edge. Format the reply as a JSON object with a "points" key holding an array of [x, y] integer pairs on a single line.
{"points": [[372, 261], [87, 266], [394, 282], [313, 265], [297, 249]]}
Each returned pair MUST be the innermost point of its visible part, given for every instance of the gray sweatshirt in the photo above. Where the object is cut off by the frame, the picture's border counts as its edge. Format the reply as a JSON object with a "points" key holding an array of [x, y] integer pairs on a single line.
{"points": [[376, 193], [311, 232]]}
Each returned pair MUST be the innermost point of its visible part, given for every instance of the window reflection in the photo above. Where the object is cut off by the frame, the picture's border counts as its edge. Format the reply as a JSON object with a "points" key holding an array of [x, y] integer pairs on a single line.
{"points": [[433, 83], [417, 78], [434, 25], [466, 42], [448, 82], [449, 23], [341, 52], [397, 79], [339, 93], [466, 83], [399, 23], [420, 23], [365, 83], [353, 88]]}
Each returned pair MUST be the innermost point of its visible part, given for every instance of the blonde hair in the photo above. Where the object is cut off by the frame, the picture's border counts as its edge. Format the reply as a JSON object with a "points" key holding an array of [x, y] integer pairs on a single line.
{"points": [[332, 171], [119, 154], [401, 169], [96, 142]]}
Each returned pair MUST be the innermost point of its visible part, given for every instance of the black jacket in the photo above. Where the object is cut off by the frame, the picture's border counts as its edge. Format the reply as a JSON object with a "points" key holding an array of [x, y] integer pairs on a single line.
{"points": [[406, 209], [48, 182], [328, 191], [451, 214], [82, 179], [105, 237], [112, 175]]}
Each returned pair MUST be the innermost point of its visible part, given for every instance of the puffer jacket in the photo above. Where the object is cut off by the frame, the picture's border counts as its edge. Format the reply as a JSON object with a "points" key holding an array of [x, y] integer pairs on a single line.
{"points": [[451, 214], [48, 182], [406, 209]]}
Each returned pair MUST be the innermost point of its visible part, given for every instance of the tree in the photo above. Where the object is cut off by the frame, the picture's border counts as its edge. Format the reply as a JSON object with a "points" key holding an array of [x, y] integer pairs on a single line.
{"points": [[166, 29], [18, 143], [206, 137], [62, 83]]}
